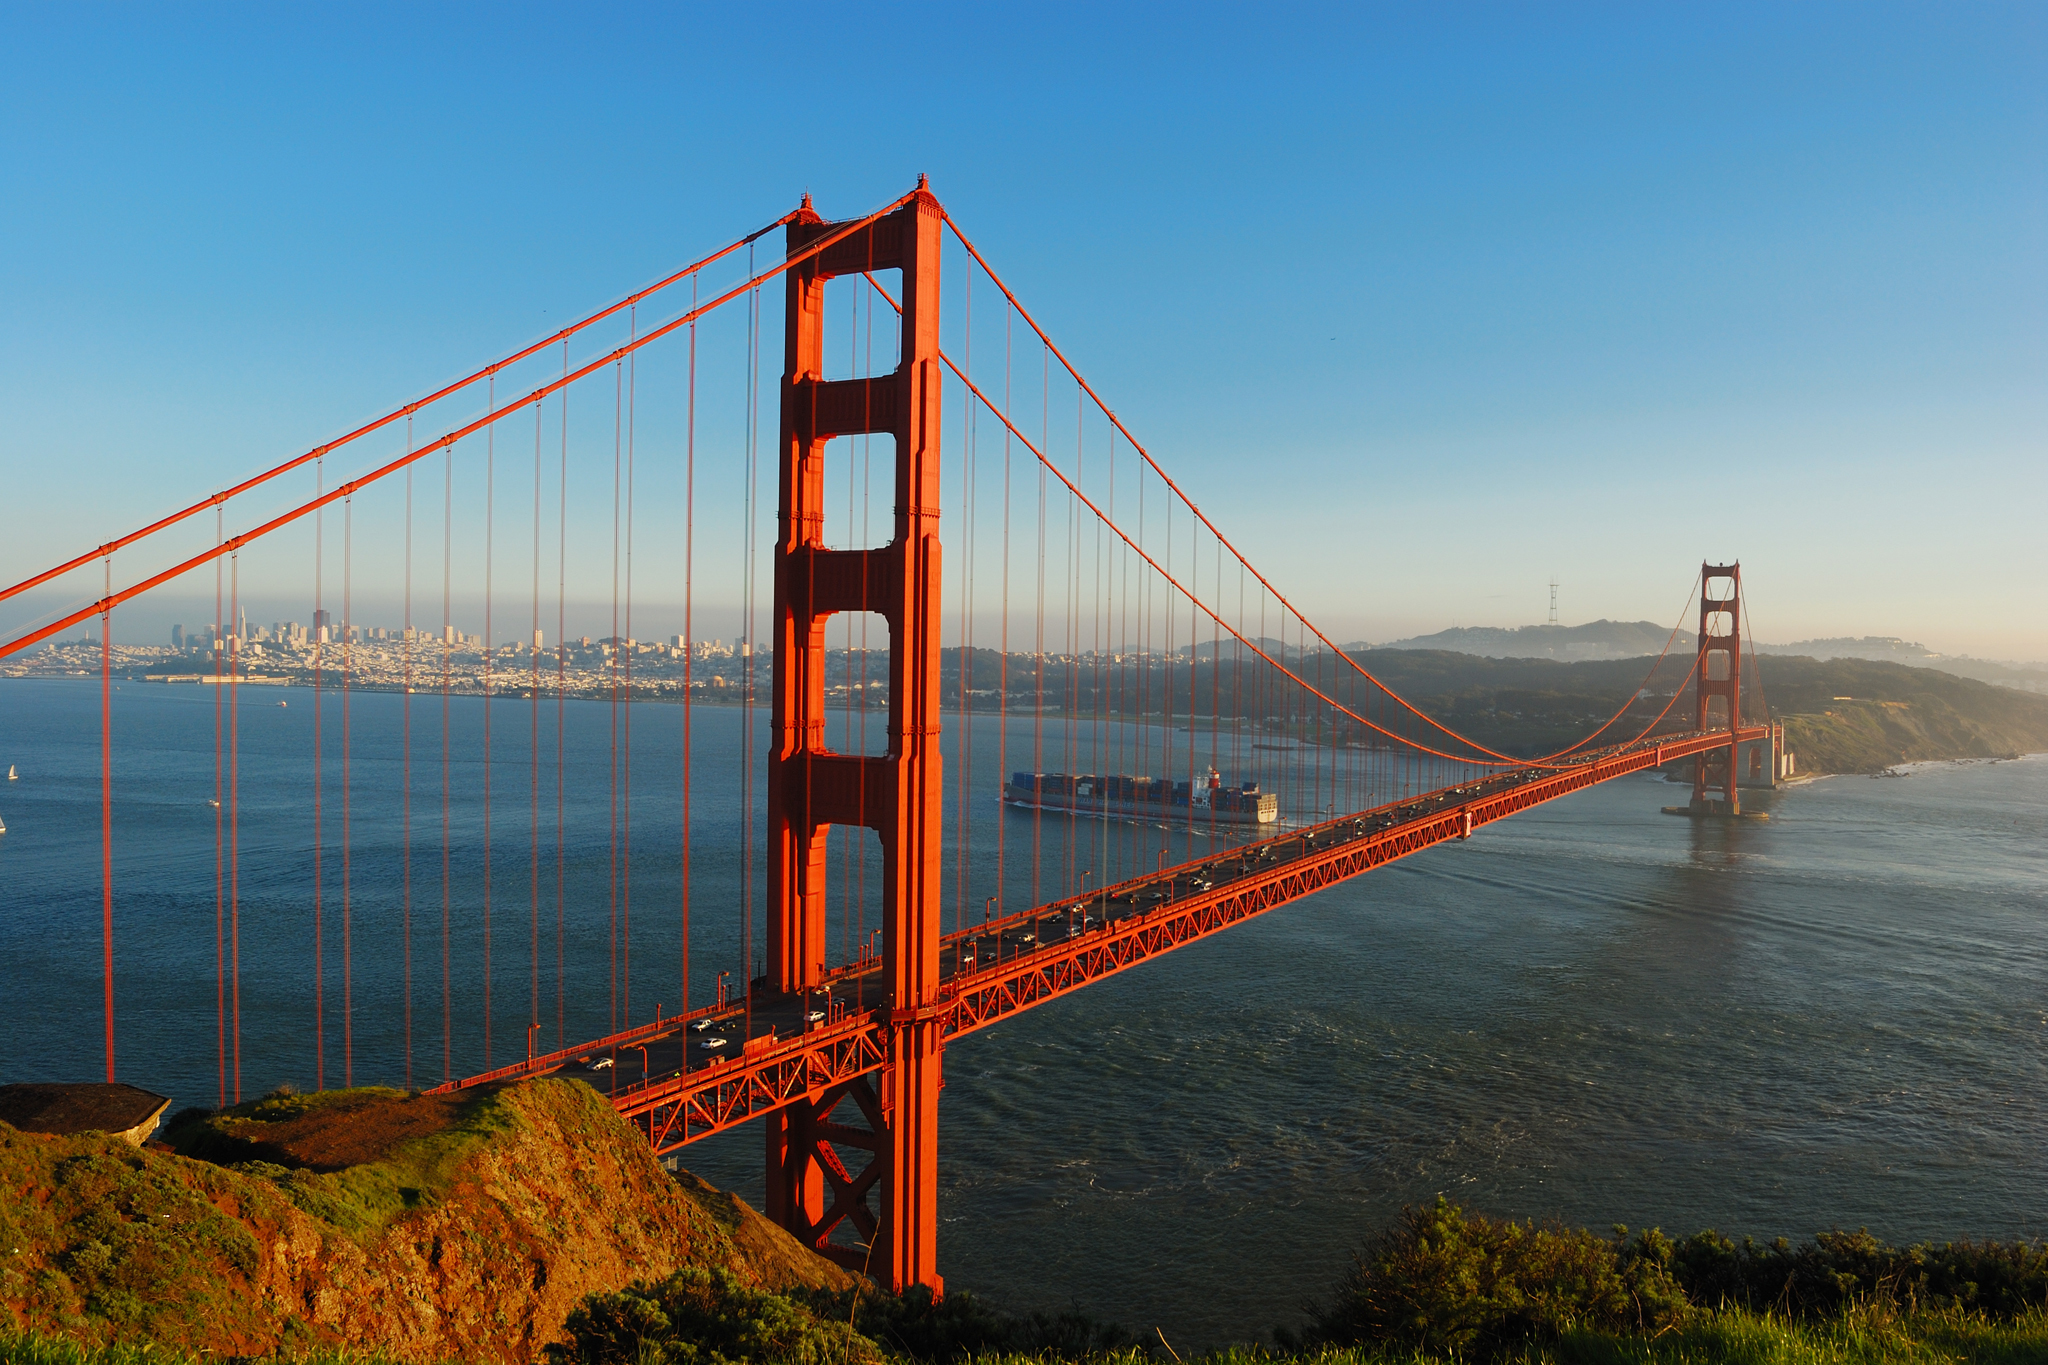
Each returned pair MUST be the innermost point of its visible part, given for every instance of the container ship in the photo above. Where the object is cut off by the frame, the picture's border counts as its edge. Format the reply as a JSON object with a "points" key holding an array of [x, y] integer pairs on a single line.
{"points": [[1144, 798]]}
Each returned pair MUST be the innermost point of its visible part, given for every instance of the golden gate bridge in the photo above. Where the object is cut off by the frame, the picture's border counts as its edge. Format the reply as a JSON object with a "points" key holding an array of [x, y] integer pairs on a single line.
{"points": [[1122, 618]]}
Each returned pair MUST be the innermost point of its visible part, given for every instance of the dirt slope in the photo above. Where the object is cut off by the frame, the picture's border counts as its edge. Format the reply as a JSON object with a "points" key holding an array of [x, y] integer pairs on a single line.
{"points": [[419, 1227]]}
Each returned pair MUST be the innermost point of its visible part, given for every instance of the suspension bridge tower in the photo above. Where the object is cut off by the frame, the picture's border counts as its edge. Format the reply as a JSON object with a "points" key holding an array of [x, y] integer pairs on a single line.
{"points": [[897, 794], [1718, 674]]}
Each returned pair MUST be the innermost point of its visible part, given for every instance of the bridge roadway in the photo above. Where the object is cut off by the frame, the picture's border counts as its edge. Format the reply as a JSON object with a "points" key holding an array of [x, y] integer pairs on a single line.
{"points": [[686, 1077]]}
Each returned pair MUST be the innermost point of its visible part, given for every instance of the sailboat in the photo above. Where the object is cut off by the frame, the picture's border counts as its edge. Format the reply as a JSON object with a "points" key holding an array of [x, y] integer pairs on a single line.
{"points": [[3, 826], [11, 775]]}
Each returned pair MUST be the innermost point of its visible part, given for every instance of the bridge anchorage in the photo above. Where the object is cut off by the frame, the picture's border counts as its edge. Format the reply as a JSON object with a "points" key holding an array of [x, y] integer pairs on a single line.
{"points": [[842, 1061]]}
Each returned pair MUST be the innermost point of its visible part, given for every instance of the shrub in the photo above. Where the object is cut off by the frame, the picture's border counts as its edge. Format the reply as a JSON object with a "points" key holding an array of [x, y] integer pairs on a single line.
{"points": [[1839, 1270], [1446, 1281], [703, 1317]]}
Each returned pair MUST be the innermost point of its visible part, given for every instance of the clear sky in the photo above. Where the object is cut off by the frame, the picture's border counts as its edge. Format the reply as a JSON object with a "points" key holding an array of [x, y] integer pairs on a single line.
{"points": [[1430, 304]]}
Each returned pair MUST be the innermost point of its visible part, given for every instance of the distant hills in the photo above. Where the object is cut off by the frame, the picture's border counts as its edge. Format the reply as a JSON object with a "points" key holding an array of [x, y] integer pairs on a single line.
{"points": [[1594, 640], [2028, 677], [1598, 640]]}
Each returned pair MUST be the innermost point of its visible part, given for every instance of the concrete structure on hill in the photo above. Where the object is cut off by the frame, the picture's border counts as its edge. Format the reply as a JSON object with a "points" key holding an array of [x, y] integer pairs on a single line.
{"points": [[88, 1107]]}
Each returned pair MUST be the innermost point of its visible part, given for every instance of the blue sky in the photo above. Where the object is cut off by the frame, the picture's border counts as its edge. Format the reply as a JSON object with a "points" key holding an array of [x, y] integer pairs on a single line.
{"points": [[1428, 304]]}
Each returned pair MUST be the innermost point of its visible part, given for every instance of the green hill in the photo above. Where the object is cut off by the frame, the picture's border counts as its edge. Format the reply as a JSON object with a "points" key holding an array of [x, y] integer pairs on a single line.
{"points": [[1895, 713], [414, 1227]]}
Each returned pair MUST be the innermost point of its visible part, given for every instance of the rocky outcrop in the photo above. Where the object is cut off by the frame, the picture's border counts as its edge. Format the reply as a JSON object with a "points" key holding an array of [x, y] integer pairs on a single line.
{"points": [[431, 1229]]}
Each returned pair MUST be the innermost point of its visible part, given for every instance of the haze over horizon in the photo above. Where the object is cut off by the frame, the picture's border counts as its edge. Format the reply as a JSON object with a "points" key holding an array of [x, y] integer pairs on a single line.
{"points": [[1425, 307]]}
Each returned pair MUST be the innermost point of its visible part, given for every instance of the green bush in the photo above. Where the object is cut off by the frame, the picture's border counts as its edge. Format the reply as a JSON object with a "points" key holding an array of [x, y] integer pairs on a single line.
{"points": [[1837, 1270], [1446, 1281], [704, 1317]]}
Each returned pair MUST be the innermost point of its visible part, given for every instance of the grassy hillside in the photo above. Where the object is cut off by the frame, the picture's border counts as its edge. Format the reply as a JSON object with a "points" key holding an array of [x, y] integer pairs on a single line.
{"points": [[531, 1224], [1898, 713], [419, 1227]]}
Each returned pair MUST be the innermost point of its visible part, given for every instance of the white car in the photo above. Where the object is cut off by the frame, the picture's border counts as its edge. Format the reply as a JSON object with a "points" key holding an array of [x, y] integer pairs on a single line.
{"points": [[701, 1025], [711, 1044], [600, 1064], [815, 1015]]}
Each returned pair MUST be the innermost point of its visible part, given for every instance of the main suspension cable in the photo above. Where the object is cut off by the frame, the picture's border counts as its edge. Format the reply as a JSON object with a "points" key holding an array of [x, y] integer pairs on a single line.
{"points": [[444, 442], [406, 411]]}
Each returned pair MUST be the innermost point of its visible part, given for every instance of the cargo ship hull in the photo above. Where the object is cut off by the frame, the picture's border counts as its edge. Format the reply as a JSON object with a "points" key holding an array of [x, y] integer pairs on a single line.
{"points": [[1128, 798]]}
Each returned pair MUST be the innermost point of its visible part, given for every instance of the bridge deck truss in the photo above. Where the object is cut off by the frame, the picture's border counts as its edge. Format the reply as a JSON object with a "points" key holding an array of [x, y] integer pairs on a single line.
{"points": [[774, 1073]]}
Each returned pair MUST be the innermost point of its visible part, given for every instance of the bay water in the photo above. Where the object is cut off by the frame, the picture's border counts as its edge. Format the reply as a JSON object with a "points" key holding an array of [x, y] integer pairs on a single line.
{"points": [[1592, 1011]]}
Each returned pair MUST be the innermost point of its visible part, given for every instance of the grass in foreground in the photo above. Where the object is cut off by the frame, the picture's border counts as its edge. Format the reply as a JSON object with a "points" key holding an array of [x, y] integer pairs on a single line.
{"points": [[1731, 1337]]}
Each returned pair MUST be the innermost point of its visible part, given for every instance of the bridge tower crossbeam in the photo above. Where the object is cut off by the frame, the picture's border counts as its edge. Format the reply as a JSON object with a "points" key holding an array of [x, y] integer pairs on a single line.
{"points": [[896, 794]]}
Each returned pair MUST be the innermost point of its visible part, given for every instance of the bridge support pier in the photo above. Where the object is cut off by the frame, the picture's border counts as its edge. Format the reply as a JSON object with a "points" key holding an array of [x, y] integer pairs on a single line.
{"points": [[811, 788], [1718, 673]]}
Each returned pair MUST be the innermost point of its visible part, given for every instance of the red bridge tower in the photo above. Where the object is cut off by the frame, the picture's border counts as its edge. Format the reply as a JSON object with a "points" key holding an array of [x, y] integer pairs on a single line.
{"points": [[1720, 646], [811, 788]]}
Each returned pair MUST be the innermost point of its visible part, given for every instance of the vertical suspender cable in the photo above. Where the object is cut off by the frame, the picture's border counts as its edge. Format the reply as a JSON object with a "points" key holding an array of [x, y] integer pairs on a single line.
{"points": [[1098, 633], [219, 871], [626, 757], [847, 838], [1003, 657], [1082, 834], [612, 656], [753, 464], [348, 643], [533, 745], [561, 708], [689, 637], [447, 670], [107, 817], [235, 811], [405, 778], [319, 659], [1038, 654], [963, 743], [490, 548], [867, 454]]}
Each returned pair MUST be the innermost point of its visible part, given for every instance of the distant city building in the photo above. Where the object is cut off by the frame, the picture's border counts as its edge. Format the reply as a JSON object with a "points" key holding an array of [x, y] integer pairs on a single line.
{"points": [[178, 637]]}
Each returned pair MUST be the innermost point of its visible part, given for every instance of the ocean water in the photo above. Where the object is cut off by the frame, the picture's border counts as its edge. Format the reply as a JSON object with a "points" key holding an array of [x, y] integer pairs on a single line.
{"points": [[1591, 1011]]}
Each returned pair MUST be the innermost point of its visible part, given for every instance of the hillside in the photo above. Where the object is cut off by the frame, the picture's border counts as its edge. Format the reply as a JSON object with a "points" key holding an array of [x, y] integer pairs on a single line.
{"points": [[1896, 714], [418, 1227], [1599, 640], [2026, 677], [1592, 640], [1899, 713]]}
